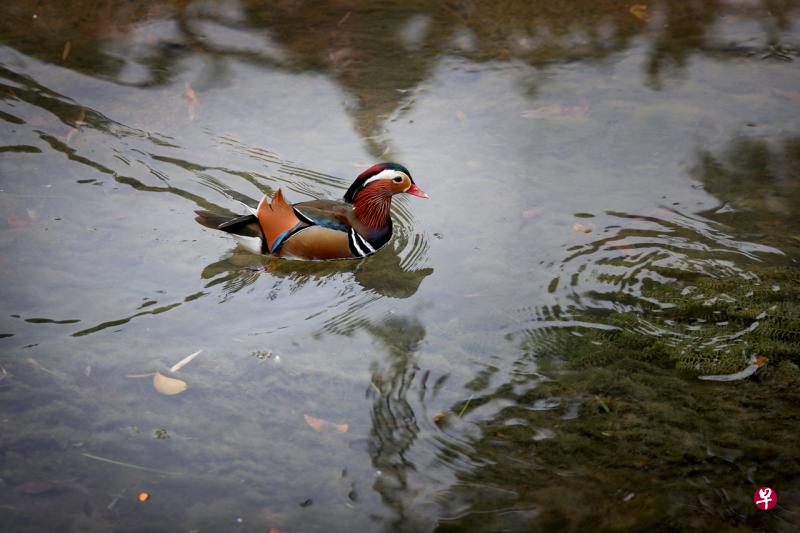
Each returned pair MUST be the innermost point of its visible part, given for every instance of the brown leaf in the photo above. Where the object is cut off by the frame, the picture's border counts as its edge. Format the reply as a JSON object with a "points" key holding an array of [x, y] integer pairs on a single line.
{"points": [[193, 102], [315, 423], [319, 425], [640, 12], [577, 226], [168, 386], [65, 51]]}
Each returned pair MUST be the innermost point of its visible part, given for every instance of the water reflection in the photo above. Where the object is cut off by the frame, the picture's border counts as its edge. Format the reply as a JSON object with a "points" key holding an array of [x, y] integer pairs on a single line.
{"points": [[380, 57], [757, 181], [529, 385], [385, 274]]}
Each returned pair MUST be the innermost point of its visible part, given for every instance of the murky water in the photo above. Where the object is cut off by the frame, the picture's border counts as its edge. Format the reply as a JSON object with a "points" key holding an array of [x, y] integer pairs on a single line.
{"points": [[614, 210]]}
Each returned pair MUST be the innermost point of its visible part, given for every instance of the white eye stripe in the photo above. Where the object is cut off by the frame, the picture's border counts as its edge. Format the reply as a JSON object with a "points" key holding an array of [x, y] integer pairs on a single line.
{"points": [[382, 175]]}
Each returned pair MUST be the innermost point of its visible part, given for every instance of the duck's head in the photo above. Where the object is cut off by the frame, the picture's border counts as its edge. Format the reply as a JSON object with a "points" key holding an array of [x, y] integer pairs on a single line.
{"points": [[383, 180]]}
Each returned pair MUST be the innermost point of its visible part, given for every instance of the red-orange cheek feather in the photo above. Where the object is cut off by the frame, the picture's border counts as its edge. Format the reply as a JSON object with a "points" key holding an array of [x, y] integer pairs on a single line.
{"points": [[373, 202]]}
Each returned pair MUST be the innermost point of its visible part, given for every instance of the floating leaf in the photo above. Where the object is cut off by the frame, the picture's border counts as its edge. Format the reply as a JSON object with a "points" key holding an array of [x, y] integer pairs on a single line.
{"points": [[193, 102], [185, 361], [168, 386], [530, 213], [144, 496], [317, 424], [582, 228]]}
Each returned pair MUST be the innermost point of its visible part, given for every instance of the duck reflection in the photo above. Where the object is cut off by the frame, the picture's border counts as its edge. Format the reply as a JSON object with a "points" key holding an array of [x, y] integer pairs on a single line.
{"points": [[386, 273]]}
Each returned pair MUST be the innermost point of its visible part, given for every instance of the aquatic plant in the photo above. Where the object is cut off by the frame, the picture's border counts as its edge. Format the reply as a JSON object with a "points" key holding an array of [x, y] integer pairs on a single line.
{"points": [[696, 322]]}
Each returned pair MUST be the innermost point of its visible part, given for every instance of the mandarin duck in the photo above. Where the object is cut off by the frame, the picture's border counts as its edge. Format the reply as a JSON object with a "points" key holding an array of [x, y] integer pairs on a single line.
{"points": [[322, 229]]}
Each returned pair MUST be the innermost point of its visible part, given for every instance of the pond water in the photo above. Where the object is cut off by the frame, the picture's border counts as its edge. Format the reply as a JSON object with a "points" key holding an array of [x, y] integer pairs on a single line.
{"points": [[615, 210]]}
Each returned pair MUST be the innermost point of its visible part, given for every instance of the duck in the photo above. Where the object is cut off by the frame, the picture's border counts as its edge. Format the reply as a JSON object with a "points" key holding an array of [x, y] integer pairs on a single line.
{"points": [[353, 228]]}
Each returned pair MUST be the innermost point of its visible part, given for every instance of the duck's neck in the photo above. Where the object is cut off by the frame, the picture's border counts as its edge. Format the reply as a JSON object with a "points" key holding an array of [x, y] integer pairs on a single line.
{"points": [[372, 207]]}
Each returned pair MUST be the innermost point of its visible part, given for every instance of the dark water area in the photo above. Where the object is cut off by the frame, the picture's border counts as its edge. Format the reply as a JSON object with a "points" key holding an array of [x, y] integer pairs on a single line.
{"points": [[614, 212]]}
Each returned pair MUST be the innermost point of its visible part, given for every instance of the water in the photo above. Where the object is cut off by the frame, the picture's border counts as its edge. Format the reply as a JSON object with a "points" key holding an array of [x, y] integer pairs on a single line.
{"points": [[582, 161]]}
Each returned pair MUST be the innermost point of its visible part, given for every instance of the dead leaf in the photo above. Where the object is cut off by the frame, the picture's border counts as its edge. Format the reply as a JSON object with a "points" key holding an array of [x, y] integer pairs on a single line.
{"points": [[439, 418], [65, 51], [168, 386], [640, 12], [460, 115], [87, 371], [185, 361], [315, 423], [577, 226], [193, 102], [530, 213], [319, 425]]}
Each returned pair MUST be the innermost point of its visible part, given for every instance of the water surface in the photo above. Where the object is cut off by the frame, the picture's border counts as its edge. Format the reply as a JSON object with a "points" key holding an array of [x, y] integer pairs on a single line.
{"points": [[614, 211]]}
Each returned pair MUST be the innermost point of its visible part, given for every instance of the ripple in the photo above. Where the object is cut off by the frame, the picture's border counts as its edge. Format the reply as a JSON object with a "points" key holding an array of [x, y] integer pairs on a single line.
{"points": [[645, 284]]}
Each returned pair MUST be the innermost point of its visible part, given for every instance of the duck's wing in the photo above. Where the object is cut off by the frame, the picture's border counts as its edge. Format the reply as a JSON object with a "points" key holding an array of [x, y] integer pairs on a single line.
{"points": [[326, 213], [278, 220]]}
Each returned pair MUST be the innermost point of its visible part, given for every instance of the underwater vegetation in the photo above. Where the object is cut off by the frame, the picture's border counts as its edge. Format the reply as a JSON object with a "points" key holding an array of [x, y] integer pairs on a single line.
{"points": [[695, 322]]}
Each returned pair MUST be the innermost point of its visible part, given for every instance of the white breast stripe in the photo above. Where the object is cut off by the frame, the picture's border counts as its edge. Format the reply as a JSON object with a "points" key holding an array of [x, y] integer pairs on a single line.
{"points": [[354, 243], [364, 243]]}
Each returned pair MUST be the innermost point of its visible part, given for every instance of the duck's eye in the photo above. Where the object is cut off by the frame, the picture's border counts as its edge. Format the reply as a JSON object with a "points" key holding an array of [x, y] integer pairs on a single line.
{"points": [[398, 179]]}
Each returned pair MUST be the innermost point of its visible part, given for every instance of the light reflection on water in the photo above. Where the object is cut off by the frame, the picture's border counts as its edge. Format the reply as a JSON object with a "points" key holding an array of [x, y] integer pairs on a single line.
{"points": [[577, 156]]}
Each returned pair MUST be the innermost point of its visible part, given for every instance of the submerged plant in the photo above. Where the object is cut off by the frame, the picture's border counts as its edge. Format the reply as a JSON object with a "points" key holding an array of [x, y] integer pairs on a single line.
{"points": [[695, 322]]}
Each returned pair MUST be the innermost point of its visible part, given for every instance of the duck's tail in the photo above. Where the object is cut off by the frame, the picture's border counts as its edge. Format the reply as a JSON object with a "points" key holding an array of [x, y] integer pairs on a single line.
{"points": [[245, 225]]}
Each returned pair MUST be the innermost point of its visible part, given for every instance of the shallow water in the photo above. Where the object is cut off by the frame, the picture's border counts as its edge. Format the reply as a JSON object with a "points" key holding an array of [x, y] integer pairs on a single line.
{"points": [[581, 161]]}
